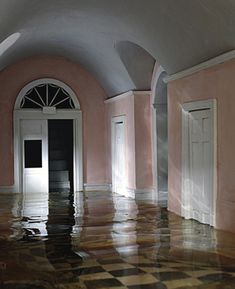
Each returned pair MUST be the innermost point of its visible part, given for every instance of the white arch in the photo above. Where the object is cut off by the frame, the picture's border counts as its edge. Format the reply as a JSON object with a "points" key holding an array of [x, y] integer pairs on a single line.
{"points": [[158, 70], [74, 114], [40, 81]]}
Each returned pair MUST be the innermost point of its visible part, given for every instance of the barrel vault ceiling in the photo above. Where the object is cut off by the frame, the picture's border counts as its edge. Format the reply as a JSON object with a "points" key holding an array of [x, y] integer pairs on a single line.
{"points": [[118, 41]]}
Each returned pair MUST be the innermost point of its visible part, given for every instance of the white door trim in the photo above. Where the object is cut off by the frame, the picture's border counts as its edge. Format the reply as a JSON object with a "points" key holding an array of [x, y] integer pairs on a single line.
{"points": [[30, 114], [156, 74], [115, 120], [186, 188]]}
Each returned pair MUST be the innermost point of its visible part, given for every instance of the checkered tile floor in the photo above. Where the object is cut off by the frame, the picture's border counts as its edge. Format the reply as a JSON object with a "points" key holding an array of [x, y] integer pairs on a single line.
{"points": [[133, 272], [144, 247], [140, 273]]}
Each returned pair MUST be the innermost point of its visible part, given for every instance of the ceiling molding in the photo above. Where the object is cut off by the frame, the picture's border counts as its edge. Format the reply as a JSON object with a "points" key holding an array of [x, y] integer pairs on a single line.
{"points": [[141, 92], [204, 65], [126, 94], [118, 97]]}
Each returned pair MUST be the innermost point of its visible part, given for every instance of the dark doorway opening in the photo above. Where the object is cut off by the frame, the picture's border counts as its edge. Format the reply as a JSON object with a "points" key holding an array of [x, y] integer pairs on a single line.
{"points": [[60, 135]]}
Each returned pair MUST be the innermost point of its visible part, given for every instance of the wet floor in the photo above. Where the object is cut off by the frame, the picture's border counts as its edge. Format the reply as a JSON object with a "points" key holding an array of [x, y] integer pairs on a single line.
{"points": [[103, 240]]}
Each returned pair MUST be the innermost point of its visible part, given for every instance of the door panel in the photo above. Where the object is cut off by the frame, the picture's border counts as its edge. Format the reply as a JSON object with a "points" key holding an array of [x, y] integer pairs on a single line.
{"points": [[201, 164], [119, 181], [34, 147]]}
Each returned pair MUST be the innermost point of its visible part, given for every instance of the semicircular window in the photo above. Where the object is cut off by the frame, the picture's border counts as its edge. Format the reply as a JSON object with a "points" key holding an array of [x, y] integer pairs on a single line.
{"points": [[47, 95]]}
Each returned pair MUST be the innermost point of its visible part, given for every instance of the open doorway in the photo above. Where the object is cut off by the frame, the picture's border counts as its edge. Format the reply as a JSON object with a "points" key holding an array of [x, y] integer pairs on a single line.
{"points": [[60, 148], [161, 137], [47, 109], [118, 155]]}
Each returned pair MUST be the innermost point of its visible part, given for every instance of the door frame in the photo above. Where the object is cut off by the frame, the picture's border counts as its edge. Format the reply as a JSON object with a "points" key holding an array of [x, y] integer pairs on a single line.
{"points": [[186, 186], [117, 119], [32, 114]]}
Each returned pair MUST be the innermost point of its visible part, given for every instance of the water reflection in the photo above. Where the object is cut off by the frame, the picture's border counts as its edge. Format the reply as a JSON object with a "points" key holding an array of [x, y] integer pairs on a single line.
{"points": [[63, 239], [124, 235], [35, 210]]}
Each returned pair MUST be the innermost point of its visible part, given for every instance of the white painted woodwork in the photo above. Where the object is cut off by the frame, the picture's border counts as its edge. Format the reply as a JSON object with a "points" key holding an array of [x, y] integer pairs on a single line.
{"points": [[200, 164], [35, 180], [199, 155], [43, 81], [32, 115], [118, 156]]}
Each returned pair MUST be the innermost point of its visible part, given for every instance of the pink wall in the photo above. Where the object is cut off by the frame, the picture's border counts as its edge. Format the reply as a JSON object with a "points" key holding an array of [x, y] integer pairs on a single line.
{"points": [[143, 150], [217, 82], [136, 108], [91, 97]]}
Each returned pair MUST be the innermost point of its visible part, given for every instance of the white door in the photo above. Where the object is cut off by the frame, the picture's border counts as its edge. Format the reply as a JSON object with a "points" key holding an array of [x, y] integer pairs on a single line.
{"points": [[201, 164], [118, 166], [34, 148]]}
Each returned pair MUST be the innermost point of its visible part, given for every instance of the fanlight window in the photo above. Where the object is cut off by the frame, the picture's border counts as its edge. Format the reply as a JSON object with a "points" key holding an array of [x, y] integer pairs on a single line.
{"points": [[45, 95]]}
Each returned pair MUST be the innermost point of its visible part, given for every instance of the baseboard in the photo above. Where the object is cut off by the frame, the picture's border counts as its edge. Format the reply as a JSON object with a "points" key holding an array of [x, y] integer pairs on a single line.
{"points": [[129, 193], [145, 194], [187, 213], [141, 194], [7, 189], [97, 187], [162, 196]]}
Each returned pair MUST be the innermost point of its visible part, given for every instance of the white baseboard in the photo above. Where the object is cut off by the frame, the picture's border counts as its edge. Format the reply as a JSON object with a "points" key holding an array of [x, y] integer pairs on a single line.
{"points": [[137, 194], [140, 194], [145, 194], [129, 193], [162, 196], [7, 189], [97, 187]]}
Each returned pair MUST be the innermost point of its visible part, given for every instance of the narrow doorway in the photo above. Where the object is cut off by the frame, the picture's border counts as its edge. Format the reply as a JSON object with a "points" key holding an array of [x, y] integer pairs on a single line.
{"points": [[161, 138], [200, 164], [118, 155], [60, 148]]}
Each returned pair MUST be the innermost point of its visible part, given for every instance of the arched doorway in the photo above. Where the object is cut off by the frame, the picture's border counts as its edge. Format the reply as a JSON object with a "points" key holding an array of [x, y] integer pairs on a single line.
{"points": [[160, 135], [47, 113]]}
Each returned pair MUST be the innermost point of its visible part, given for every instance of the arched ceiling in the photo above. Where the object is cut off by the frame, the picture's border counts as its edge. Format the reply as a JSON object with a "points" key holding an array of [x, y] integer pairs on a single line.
{"points": [[179, 34]]}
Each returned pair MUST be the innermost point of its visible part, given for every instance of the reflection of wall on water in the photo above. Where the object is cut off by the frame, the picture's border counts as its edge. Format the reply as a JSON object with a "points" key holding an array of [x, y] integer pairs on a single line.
{"points": [[30, 212], [124, 225], [13, 204], [95, 218]]}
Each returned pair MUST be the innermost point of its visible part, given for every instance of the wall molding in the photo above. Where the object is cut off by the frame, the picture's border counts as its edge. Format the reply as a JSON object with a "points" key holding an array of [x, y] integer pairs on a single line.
{"points": [[32, 114], [127, 94], [97, 187], [204, 65], [141, 92], [7, 189], [141, 194]]}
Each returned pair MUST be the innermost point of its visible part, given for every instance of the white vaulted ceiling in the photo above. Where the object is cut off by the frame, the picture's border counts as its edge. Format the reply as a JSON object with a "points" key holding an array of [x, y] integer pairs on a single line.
{"points": [[118, 40]]}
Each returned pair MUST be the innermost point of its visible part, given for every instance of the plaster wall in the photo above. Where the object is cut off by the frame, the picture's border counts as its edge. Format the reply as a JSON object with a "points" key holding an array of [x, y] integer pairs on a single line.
{"points": [[91, 97], [218, 83], [143, 145], [123, 107]]}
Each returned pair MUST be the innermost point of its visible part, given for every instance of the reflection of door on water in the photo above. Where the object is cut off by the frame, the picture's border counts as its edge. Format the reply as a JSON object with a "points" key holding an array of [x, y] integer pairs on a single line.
{"points": [[35, 212], [34, 148], [118, 162], [60, 155], [200, 164]]}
